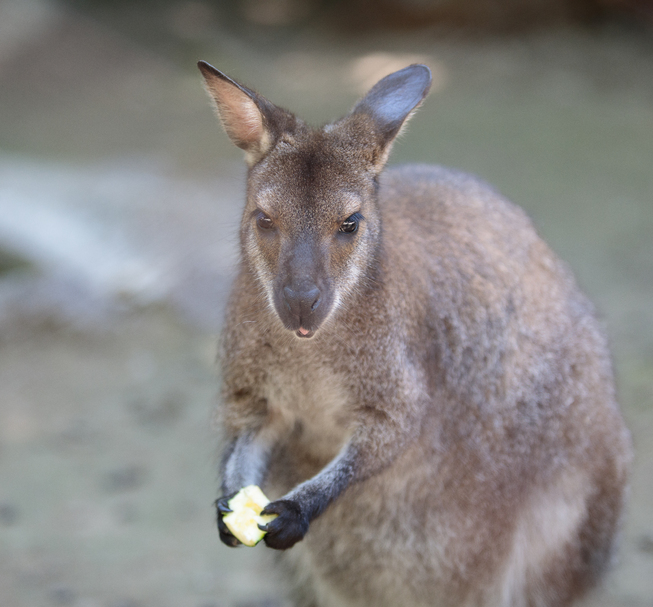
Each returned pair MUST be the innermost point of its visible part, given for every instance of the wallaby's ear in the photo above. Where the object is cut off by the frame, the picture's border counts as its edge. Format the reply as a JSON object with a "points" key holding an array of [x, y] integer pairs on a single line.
{"points": [[250, 120], [392, 100]]}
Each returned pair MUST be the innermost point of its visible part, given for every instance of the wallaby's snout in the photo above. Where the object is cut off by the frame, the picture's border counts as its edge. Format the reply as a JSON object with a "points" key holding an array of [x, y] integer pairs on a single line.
{"points": [[303, 289], [301, 302]]}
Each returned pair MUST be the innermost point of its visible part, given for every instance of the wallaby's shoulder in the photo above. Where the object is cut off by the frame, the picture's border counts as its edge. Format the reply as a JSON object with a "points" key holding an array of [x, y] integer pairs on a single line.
{"points": [[447, 196], [458, 227]]}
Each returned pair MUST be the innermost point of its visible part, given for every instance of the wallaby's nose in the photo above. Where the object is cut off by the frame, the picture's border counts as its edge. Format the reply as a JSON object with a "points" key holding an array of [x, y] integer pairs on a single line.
{"points": [[302, 302]]}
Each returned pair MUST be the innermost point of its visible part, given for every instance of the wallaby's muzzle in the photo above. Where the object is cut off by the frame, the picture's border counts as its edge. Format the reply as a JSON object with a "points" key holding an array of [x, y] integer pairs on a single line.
{"points": [[302, 291], [302, 306], [302, 302]]}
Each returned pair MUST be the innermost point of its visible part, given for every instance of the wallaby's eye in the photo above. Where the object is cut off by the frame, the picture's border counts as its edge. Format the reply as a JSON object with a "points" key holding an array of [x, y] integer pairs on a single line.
{"points": [[264, 222], [350, 225]]}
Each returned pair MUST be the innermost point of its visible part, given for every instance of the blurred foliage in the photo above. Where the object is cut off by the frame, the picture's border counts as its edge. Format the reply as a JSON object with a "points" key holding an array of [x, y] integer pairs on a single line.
{"points": [[10, 262], [493, 16]]}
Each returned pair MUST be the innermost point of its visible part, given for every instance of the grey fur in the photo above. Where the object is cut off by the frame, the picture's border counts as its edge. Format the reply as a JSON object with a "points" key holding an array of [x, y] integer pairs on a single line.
{"points": [[441, 429]]}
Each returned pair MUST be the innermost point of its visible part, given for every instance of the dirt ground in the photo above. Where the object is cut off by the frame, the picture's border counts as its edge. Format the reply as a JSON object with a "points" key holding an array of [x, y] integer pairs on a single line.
{"points": [[119, 201]]}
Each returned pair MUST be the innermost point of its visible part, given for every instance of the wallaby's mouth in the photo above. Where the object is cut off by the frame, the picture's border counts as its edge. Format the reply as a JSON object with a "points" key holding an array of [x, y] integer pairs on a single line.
{"points": [[303, 307], [304, 328]]}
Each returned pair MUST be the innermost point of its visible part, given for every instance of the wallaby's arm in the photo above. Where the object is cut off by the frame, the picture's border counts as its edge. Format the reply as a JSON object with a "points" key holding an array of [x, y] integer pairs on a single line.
{"points": [[388, 415], [305, 502], [245, 462], [377, 442], [360, 458]]}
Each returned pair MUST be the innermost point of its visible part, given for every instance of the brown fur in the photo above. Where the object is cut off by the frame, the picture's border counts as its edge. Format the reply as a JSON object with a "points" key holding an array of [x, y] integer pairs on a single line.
{"points": [[459, 373]]}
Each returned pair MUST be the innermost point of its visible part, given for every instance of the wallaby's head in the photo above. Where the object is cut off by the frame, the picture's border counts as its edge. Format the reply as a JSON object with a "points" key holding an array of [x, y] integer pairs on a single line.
{"points": [[311, 228]]}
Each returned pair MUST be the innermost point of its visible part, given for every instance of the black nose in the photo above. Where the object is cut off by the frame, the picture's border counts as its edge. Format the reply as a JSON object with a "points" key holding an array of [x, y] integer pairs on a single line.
{"points": [[302, 302]]}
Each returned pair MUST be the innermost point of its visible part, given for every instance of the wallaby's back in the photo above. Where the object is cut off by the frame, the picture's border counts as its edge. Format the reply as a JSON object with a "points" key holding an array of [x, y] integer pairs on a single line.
{"points": [[411, 373]]}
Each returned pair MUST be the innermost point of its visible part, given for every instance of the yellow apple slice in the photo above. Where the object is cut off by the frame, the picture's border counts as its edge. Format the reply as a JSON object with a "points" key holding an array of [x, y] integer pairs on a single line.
{"points": [[243, 522]]}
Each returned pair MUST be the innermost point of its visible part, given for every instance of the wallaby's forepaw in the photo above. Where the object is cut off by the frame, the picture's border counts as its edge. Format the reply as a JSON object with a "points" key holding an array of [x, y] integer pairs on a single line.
{"points": [[288, 528], [222, 508]]}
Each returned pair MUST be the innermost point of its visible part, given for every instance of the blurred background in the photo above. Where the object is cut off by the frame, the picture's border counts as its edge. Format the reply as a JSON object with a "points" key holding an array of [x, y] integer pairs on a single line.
{"points": [[119, 201]]}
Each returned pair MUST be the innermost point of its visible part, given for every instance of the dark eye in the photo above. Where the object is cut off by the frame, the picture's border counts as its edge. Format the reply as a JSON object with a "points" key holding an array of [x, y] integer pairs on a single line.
{"points": [[264, 222], [350, 225]]}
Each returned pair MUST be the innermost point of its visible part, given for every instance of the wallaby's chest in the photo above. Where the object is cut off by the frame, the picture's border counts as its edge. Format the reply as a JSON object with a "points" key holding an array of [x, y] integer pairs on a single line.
{"points": [[312, 399]]}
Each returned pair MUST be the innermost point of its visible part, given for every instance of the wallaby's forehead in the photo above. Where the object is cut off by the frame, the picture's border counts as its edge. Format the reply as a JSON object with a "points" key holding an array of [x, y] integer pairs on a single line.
{"points": [[309, 172], [275, 200]]}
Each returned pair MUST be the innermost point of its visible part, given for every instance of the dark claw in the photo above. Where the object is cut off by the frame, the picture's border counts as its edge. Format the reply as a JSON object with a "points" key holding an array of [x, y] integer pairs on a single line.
{"points": [[226, 537], [221, 505], [288, 528], [229, 540]]}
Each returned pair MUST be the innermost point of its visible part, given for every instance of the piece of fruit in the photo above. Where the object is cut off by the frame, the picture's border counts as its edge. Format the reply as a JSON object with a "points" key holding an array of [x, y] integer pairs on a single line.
{"points": [[243, 522]]}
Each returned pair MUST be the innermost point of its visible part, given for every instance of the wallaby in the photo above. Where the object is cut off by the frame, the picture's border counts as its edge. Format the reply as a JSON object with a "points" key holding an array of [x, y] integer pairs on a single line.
{"points": [[410, 373]]}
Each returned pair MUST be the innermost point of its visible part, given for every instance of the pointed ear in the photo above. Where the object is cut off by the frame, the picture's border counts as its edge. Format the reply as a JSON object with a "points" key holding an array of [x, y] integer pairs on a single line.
{"points": [[391, 101], [250, 120]]}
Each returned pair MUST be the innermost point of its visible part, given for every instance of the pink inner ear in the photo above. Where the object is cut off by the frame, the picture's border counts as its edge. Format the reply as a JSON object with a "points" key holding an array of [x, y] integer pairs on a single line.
{"points": [[240, 116]]}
